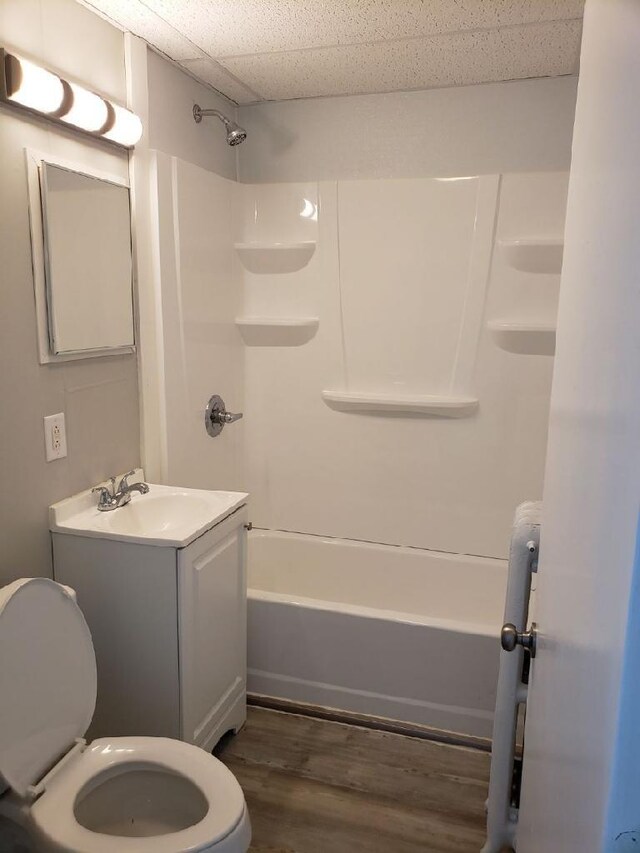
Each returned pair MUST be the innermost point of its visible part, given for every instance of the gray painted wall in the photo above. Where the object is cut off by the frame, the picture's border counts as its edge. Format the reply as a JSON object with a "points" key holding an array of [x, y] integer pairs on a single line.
{"points": [[172, 94], [98, 396], [519, 126]]}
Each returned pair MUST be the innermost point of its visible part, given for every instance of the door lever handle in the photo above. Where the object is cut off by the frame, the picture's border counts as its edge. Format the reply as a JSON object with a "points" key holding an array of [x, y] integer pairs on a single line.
{"points": [[510, 638]]}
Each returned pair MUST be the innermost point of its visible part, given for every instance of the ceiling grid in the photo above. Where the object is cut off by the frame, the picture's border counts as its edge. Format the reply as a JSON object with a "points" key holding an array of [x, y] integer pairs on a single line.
{"points": [[253, 50]]}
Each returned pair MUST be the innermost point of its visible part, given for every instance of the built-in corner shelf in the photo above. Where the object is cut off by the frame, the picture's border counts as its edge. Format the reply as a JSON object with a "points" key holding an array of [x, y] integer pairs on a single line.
{"points": [[524, 338], [426, 405], [277, 331], [534, 255], [274, 258]]}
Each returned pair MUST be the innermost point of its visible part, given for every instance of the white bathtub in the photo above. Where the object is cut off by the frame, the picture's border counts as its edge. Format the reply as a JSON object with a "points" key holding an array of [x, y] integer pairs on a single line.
{"points": [[402, 633]]}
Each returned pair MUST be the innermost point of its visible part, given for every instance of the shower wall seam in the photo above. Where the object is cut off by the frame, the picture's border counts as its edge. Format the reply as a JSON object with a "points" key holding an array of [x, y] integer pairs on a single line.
{"points": [[375, 542]]}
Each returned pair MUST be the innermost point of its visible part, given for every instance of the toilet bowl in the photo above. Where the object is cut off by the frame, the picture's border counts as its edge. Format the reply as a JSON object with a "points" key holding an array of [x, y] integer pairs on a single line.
{"points": [[114, 795]]}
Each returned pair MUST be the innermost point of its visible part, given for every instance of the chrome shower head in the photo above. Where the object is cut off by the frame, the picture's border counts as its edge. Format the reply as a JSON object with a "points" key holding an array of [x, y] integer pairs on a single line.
{"points": [[235, 133]]}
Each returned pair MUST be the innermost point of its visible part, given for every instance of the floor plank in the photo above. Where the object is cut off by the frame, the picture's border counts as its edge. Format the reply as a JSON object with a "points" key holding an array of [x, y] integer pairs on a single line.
{"points": [[315, 786]]}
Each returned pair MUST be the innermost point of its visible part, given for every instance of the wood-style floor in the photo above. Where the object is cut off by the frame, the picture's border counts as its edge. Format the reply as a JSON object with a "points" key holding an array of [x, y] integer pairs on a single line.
{"points": [[314, 786]]}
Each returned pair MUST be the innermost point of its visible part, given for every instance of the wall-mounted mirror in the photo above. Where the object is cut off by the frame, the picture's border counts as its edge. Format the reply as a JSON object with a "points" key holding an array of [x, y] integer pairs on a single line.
{"points": [[87, 259], [81, 249]]}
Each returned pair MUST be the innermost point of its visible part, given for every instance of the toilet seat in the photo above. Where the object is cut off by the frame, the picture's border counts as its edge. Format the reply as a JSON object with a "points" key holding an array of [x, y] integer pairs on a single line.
{"points": [[55, 819], [133, 794]]}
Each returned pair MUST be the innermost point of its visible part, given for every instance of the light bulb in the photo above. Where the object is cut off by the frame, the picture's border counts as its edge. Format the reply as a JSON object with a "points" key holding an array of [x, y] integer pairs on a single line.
{"points": [[126, 129], [35, 88], [88, 111]]}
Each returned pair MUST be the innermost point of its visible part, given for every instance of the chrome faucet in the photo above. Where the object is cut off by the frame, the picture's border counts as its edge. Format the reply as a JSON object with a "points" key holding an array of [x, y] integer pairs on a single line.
{"points": [[111, 497]]}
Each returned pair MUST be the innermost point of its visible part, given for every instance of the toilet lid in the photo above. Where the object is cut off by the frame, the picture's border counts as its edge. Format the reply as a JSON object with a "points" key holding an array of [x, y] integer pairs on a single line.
{"points": [[47, 678]]}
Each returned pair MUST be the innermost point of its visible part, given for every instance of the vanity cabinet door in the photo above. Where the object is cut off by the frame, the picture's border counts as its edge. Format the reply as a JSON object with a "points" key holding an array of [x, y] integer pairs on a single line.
{"points": [[212, 604]]}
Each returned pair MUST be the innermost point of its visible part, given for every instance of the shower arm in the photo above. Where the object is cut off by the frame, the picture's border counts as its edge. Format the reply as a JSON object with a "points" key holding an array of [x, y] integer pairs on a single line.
{"points": [[235, 133], [199, 114]]}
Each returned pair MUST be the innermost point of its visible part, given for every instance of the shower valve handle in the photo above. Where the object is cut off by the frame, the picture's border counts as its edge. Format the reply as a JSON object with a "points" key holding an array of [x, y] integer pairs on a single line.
{"points": [[216, 416], [510, 638], [226, 417]]}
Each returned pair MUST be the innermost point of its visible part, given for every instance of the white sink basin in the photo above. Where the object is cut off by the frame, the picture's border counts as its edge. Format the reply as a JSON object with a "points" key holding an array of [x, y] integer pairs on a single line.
{"points": [[167, 515]]}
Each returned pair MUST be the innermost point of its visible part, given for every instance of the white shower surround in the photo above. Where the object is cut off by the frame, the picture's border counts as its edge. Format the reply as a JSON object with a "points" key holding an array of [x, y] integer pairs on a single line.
{"points": [[402, 633], [441, 483], [375, 282]]}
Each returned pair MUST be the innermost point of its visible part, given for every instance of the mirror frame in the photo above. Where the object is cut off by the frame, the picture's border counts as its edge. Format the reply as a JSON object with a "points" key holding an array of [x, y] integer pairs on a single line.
{"points": [[34, 160]]}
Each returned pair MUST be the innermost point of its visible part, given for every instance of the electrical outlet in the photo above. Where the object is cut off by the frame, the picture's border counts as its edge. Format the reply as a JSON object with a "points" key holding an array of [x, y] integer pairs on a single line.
{"points": [[55, 437]]}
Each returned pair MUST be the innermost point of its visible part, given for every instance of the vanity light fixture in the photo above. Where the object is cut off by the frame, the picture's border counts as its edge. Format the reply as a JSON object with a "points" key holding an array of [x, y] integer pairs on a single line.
{"points": [[33, 88]]}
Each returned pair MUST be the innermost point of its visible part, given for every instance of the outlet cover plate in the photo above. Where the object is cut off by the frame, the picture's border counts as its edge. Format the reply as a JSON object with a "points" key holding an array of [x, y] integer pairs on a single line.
{"points": [[55, 437]]}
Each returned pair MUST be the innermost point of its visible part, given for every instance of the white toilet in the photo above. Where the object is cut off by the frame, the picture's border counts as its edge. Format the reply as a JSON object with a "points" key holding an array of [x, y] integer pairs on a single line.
{"points": [[115, 795]]}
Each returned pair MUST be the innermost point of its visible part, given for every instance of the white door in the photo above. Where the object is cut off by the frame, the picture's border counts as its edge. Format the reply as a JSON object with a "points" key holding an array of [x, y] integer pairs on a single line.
{"points": [[212, 602], [581, 792]]}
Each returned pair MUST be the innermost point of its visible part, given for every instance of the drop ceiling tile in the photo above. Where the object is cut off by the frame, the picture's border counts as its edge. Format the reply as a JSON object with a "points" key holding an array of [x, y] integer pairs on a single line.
{"points": [[212, 73], [480, 14], [235, 27], [537, 50], [136, 18]]}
